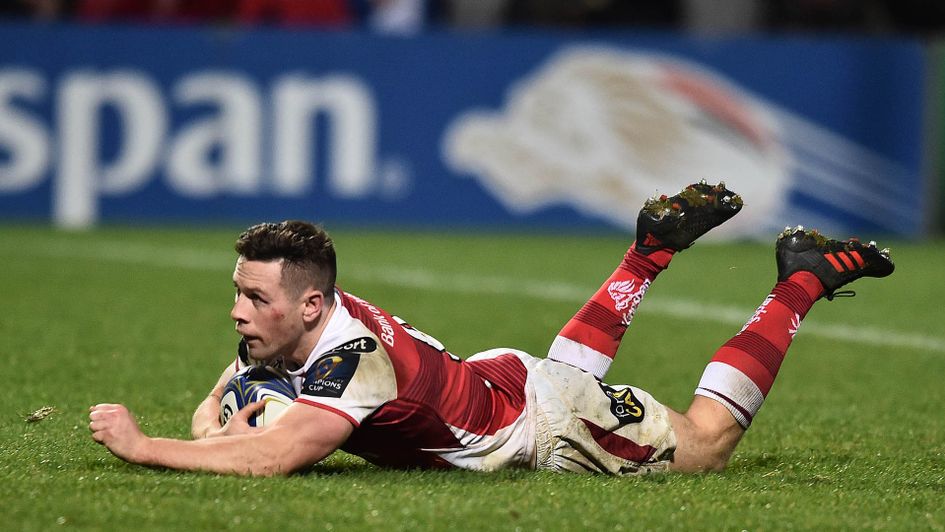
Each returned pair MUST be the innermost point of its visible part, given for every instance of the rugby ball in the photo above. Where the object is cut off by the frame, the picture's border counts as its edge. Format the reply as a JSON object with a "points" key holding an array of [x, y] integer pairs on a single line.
{"points": [[257, 383]]}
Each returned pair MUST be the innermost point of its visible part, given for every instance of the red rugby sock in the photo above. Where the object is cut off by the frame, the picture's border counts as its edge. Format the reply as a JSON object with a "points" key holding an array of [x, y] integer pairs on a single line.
{"points": [[590, 339], [742, 371]]}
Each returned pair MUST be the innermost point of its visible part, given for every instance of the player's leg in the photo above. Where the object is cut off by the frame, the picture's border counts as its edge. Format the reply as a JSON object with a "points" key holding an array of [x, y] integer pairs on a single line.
{"points": [[665, 225], [741, 373]]}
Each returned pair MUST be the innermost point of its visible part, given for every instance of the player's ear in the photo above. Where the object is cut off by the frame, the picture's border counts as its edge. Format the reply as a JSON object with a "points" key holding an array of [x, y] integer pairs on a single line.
{"points": [[314, 301]]}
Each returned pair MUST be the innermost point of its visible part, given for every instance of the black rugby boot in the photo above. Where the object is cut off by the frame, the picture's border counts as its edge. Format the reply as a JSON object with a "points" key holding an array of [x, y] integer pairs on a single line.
{"points": [[834, 262], [676, 222]]}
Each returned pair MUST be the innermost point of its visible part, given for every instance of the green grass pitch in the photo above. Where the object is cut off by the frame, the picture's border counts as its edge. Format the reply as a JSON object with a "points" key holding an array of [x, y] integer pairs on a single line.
{"points": [[852, 435]]}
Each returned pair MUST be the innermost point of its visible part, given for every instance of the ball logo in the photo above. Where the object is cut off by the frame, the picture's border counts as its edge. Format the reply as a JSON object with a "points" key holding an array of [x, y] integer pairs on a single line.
{"points": [[257, 383], [226, 409]]}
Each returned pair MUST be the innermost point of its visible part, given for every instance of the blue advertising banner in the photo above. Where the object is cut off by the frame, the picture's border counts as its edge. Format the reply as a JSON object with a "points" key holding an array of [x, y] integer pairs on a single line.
{"points": [[519, 130]]}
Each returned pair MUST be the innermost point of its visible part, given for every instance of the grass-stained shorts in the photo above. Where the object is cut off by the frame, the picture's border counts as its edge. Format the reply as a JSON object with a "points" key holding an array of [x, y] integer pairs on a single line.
{"points": [[584, 425]]}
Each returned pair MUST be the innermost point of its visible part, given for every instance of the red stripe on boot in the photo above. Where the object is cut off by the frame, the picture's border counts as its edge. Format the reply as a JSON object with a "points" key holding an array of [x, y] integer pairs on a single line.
{"points": [[858, 258], [847, 261], [834, 262]]}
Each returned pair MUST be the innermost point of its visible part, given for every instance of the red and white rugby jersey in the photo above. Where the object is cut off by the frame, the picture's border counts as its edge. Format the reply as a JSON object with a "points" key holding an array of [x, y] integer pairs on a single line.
{"points": [[413, 404]]}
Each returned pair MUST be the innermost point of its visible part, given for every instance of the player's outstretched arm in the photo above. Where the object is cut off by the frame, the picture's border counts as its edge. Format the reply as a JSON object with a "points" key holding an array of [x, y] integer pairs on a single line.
{"points": [[301, 437], [206, 420]]}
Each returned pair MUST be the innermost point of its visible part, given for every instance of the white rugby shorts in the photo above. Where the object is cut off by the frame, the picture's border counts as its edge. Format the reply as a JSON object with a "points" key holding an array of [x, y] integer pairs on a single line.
{"points": [[584, 425]]}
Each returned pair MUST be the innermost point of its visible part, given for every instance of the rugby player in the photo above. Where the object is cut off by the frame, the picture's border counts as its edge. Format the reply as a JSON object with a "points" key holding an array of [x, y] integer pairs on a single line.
{"points": [[372, 385]]}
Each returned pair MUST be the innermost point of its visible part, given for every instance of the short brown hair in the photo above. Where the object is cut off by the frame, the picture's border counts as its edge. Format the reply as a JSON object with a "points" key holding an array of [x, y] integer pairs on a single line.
{"points": [[306, 251]]}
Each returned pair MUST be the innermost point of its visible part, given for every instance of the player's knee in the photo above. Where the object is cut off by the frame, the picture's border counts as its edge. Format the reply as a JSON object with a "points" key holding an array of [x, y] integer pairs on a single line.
{"points": [[699, 457], [716, 460], [718, 446]]}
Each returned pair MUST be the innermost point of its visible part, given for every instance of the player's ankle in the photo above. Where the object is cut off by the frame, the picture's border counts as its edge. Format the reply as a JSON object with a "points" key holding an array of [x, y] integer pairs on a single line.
{"points": [[660, 257], [809, 282]]}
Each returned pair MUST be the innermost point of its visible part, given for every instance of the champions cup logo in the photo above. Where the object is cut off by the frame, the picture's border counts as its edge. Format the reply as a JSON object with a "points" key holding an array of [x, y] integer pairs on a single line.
{"points": [[602, 129], [327, 366], [330, 375]]}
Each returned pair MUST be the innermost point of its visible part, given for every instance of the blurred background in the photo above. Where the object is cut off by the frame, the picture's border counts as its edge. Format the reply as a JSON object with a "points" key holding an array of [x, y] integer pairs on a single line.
{"points": [[542, 115]]}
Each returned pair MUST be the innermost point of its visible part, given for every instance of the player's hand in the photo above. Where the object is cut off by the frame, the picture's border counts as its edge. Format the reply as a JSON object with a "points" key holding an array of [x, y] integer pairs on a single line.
{"points": [[239, 422], [114, 427]]}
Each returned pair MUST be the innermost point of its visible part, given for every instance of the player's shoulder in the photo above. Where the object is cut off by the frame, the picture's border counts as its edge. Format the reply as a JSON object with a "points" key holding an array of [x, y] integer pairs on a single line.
{"points": [[351, 375], [363, 344], [332, 370], [352, 303], [345, 337], [346, 332]]}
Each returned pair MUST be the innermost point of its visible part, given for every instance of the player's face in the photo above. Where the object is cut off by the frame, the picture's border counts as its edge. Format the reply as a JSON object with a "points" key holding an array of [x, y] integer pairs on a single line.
{"points": [[269, 320]]}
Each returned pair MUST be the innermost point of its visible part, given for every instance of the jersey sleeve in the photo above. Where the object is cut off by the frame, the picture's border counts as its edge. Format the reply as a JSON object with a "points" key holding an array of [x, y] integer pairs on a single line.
{"points": [[352, 380]]}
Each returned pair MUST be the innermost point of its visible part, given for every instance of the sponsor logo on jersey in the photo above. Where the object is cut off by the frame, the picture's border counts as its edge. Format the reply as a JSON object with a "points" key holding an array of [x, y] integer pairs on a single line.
{"points": [[386, 332], [331, 374], [623, 404], [365, 344]]}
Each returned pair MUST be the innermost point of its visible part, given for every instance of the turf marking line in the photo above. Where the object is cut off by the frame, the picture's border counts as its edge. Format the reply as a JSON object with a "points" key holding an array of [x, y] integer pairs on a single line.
{"points": [[689, 309]]}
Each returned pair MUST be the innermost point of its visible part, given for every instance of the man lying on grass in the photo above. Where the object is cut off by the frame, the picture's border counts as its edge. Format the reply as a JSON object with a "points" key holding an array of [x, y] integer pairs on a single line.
{"points": [[368, 383]]}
